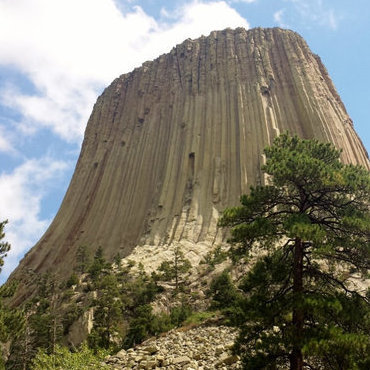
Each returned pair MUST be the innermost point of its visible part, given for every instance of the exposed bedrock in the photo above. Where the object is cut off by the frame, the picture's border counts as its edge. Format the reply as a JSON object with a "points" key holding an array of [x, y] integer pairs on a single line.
{"points": [[171, 144]]}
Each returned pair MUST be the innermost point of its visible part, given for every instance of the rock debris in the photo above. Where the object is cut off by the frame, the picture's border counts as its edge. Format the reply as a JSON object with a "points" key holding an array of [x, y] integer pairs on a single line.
{"points": [[200, 348]]}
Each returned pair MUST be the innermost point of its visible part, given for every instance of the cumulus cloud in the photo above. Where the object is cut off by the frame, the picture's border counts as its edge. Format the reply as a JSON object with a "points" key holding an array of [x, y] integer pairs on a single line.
{"points": [[70, 49], [22, 191]]}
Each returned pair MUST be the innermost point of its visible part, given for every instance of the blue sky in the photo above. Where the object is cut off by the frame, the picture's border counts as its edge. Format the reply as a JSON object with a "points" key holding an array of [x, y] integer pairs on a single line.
{"points": [[56, 56]]}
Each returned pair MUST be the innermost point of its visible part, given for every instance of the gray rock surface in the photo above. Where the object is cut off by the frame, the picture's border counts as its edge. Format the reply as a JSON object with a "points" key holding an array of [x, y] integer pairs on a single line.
{"points": [[171, 144], [199, 348]]}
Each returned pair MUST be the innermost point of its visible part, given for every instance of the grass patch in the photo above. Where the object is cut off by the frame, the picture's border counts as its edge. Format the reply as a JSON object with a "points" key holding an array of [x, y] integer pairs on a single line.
{"points": [[197, 318]]}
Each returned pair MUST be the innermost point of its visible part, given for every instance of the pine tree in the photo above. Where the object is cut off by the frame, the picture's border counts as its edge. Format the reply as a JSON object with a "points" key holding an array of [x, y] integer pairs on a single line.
{"points": [[98, 264], [11, 320], [82, 259], [45, 324], [175, 268], [108, 313], [22, 350], [223, 291], [309, 230], [4, 246]]}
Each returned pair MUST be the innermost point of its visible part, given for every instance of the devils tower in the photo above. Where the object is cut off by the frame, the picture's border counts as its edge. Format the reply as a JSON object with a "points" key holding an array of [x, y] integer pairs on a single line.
{"points": [[171, 144]]}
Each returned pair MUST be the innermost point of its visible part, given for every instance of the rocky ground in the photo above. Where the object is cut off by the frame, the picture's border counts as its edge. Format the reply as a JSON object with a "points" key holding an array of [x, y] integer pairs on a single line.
{"points": [[199, 348]]}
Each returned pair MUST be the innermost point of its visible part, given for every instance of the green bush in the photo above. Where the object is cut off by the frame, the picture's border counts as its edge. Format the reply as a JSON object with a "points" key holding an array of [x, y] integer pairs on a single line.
{"points": [[140, 326], [223, 291], [179, 314], [63, 358], [214, 257], [73, 313], [146, 324], [73, 280], [199, 317]]}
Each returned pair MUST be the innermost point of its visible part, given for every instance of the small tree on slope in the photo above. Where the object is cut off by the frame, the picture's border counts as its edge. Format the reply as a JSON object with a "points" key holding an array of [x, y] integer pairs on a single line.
{"points": [[11, 320], [4, 246], [302, 305]]}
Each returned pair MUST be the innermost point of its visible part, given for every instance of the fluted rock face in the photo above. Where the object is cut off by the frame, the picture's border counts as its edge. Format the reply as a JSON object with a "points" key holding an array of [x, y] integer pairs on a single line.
{"points": [[171, 144]]}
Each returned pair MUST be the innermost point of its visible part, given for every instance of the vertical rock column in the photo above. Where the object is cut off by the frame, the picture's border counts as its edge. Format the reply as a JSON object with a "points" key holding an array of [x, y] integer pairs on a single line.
{"points": [[171, 144]]}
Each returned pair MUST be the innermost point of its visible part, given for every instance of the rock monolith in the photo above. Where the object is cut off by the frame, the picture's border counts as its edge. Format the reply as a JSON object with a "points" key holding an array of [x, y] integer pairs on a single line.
{"points": [[171, 144]]}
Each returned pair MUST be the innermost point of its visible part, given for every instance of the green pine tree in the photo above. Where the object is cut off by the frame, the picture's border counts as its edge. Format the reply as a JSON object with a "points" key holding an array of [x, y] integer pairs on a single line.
{"points": [[11, 320], [140, 325], [108, 313], [4, 246], [310, 232], [42, 327], [223, 291], [98, 264], [82, 259], [175, 268]]}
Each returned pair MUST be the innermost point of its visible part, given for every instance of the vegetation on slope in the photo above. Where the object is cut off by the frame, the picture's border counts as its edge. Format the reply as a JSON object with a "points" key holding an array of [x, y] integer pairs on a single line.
{"points": [[302, 302], [118, 300], [303, 240]]}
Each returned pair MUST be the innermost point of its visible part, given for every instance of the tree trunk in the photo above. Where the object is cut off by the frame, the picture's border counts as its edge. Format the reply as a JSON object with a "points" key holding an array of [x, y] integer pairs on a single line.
{"points": [[27, 335], [176, 269], [296, 358]]}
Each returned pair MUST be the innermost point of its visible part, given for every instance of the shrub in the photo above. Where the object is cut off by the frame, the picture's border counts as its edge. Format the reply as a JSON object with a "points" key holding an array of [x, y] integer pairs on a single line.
{"points": [[63, 358]]}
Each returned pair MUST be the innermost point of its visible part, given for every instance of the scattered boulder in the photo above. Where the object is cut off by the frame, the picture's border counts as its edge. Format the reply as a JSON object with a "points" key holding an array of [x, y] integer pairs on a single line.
{"points": [[199, 348]]}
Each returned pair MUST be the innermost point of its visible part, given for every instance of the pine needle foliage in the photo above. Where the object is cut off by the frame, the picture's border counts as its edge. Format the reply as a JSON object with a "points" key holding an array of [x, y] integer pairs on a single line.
{"points": [[305, 301], [11, 320], [4, 246]]}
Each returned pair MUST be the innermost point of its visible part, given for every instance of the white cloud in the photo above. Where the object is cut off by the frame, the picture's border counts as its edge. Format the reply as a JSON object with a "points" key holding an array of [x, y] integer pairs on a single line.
{"points": [[243, 1], [21, 192], [332, 20], [278, 18], [6, 144], [191, 21], [69, 49], [315, 11]]}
